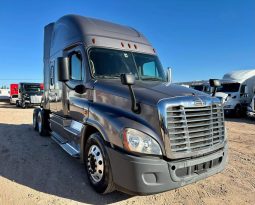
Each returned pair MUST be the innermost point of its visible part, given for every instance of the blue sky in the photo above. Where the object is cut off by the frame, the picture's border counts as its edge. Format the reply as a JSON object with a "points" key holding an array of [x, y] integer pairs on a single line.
{"points": [[199, 39]]}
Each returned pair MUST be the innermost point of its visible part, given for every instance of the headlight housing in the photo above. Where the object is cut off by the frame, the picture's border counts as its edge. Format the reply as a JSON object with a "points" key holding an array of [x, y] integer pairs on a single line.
{"points": [[136, 141]]}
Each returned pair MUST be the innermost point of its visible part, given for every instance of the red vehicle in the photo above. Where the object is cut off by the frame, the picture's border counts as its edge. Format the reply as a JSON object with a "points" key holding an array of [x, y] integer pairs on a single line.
{"points": [[14, 91], [41, 86]]}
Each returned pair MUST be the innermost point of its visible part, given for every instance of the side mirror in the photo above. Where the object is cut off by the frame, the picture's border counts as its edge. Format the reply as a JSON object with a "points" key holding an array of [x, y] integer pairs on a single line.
{"points": [[63, 69], [169, 74], [127, 79], [80, 89], [214, 83]]}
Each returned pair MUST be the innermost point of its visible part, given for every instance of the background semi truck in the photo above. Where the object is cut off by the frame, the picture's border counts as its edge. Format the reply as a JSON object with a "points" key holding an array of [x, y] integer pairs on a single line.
{"points": [[30, 94], [108, 101], [200, 85], [237, 91], [250, 112], [14, 91]]}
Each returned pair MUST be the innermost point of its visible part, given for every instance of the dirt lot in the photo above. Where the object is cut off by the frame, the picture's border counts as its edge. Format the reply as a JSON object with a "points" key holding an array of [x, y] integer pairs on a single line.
{"points": [[35, 170]]}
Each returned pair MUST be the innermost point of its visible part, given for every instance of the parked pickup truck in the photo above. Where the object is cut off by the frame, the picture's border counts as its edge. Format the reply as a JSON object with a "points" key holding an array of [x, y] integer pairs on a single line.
{"points": [[108, 101]]}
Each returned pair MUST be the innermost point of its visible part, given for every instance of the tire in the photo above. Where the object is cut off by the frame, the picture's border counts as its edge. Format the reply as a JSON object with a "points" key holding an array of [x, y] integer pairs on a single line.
{"points": [[35, 116], [99, 173], [43, 123], [17, 103], [23, 105], [238, 111]]}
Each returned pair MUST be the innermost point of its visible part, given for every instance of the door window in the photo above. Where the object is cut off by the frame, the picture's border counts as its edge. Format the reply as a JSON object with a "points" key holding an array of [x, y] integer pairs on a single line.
{"points": [[76, 67], [242, 90]]}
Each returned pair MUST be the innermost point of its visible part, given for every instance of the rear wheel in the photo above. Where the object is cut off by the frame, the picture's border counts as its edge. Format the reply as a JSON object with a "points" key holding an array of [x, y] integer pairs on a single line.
{"points": [[43, 123], [98, 165], [35, 116]]}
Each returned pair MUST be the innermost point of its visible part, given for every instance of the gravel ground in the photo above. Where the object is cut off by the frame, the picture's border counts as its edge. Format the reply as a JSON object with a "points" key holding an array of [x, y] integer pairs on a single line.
{"points": [[35, 170]]}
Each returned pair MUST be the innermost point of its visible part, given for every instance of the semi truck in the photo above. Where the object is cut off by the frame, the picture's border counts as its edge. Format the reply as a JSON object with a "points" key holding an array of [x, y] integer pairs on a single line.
{"points": [[250, 112], [237, 90], [14, 91], [108, 101], [30, 94]]}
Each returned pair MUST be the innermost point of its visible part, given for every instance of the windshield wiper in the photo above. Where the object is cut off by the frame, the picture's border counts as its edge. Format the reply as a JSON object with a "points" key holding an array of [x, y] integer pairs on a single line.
{"points": [[108, 76], [153, 79]]}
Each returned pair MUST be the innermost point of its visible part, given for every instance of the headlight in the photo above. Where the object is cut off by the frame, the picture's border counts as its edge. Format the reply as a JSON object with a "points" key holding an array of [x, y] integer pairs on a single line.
{"points": [[136, 141]]}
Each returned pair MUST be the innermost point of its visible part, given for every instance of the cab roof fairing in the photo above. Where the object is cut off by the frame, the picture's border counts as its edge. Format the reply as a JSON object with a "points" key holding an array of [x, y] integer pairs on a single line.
{"points": [[72, 29]]}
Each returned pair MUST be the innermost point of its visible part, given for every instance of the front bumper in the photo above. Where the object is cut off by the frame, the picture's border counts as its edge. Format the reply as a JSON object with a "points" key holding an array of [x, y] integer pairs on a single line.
{"points": [[13, 100], [229, 111], [143, 176], [250, 114]]}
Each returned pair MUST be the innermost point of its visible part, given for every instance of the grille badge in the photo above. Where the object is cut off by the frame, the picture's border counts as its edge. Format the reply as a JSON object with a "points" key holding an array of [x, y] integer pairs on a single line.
{"points": [[199, 102]]}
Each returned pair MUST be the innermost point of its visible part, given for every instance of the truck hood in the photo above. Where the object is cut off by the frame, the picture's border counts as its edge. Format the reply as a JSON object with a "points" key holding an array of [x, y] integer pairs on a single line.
{"points": [[221, 95], [146, 92]]}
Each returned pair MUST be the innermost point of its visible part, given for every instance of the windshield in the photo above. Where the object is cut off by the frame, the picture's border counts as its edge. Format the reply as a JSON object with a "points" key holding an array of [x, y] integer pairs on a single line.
{"points": [[32, 88], [108, 63], [198, 87], [203, 88], [229, 87]]}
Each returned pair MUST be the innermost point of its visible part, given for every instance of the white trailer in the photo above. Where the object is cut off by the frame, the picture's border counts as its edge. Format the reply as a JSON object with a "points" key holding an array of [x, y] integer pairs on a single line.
{"points": [[4, 94], [237, 90]]}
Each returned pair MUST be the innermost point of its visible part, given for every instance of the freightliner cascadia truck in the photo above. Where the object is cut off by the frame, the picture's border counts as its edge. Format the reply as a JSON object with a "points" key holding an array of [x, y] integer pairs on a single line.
{"points": [[30, 94], [108, 101]]}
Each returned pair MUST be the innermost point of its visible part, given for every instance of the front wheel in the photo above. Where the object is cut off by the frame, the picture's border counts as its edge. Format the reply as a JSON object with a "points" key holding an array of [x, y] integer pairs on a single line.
{"points": [[238, 111], [23, 105], [17, 103], [98, 165]]}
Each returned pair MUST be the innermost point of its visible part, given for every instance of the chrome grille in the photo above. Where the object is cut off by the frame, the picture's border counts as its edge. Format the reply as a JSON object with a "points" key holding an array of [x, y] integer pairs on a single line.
{"points": [[35, 99], [195, 128]]}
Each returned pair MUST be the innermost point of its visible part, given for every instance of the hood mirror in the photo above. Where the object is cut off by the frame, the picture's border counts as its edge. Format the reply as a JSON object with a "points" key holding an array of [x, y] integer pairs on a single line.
{"points": [[129, 80], [214, 83]]}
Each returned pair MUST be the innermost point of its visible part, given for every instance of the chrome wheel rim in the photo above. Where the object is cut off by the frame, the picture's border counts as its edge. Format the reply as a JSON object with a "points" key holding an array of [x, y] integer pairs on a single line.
{"points": [[95, 163]]}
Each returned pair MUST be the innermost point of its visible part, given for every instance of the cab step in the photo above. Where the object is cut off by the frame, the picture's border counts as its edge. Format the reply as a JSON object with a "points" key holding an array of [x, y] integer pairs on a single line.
{"points": [[65, 145]]}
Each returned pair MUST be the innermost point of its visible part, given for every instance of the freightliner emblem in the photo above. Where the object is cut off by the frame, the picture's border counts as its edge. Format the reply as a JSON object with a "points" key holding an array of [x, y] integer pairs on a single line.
{"points": [[199, 102]]}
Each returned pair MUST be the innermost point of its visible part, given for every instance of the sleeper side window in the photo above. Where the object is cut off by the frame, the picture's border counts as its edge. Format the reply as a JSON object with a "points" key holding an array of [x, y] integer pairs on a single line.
{"points": [[76, 66]]}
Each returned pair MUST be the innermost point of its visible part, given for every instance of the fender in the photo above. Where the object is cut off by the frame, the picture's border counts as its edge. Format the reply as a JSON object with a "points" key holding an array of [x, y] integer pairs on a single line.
{"points": [[110, 122]]}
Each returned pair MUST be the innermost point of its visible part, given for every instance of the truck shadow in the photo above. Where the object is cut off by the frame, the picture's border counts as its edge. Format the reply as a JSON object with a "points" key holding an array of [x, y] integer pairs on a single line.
{"points": [[39, 163], [241, 120], [11, 106]]}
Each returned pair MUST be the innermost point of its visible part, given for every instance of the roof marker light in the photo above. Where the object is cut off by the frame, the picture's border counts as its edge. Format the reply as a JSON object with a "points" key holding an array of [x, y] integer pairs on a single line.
{"points": [[122, 44], [93, 40], [129, 45], [135, 46]]}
